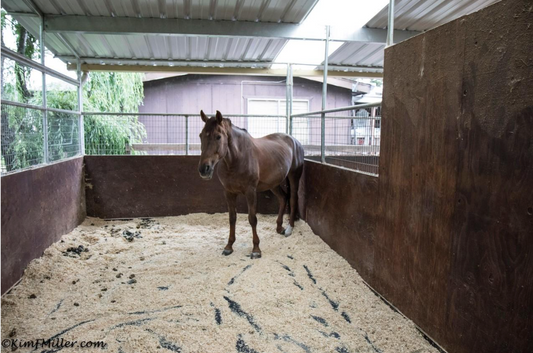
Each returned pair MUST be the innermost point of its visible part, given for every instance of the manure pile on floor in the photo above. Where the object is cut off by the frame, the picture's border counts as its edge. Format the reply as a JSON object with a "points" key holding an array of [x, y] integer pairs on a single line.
{"points": [[161, 284]]}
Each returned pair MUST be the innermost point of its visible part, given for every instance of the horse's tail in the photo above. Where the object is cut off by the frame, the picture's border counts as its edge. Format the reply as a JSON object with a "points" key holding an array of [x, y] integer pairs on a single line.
{"points": [[288, 200], [297, 216]]}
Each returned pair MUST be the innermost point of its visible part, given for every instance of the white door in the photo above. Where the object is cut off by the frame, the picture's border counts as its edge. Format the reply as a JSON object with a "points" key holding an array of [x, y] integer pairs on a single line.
{"points": [[300, 126], [261, 126]]}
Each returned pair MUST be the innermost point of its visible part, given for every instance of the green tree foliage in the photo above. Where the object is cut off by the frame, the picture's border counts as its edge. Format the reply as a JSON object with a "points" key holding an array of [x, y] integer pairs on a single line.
{"points": [[22, 130], [112, 92]]}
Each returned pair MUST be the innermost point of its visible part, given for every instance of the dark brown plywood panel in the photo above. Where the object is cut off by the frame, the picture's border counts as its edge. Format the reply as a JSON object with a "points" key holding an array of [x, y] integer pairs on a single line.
{"points": [[454, 243], [341, 207], [38, 207], [491, 289], [153, 186], [417, 173]]}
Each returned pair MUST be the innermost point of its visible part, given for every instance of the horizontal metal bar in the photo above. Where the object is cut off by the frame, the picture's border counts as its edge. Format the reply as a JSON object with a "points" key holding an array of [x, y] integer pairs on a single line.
{"points": [[23, 105], [206, 64], [351, 107], [144, 26], [222, 70], [313, 115], [184, 115], [39, 107], [63, 111], [339, 117], [236, 115], [22, 14], [8, 53]]}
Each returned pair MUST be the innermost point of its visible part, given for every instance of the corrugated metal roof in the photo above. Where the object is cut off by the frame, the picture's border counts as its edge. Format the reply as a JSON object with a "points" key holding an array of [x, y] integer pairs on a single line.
{"points": [[154, 47], [358, 54], [287, 11], [167, 47], [422, 15], [419, 15]]}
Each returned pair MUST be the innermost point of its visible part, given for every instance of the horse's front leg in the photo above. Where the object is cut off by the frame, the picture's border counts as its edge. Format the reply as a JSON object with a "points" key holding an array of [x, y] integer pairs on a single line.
{"points": [[231, 199], [251, 198]]}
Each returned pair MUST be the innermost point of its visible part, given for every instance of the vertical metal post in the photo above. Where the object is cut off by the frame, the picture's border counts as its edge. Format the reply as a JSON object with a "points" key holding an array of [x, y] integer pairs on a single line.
{"points": [[45, 111], [390, 26], [287, 99], [324, 98], [291, 85], [186, 135], [81, 125]]}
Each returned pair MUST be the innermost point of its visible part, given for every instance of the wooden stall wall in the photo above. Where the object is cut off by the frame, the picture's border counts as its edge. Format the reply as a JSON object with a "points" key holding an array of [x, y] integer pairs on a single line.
{"points": [[155, 186], [342, 207], [446, 231], [38, 207], [455, 244]]}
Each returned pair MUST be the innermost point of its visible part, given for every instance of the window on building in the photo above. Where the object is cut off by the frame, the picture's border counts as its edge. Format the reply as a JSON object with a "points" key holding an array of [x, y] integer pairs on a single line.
{"points": [[262, 126]]}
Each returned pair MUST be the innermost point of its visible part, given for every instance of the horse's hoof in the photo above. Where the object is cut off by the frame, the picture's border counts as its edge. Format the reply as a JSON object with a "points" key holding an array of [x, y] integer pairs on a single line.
{"points": [[287, 231], [227, 252], [255, 255]]}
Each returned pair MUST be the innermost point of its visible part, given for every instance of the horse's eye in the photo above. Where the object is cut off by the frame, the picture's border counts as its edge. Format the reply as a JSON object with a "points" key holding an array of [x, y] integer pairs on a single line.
{"points": [[218, 137]]}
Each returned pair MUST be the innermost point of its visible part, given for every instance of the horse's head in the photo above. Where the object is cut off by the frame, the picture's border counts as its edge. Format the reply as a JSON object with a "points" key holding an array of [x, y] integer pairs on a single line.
{"points": [[214, 138]]}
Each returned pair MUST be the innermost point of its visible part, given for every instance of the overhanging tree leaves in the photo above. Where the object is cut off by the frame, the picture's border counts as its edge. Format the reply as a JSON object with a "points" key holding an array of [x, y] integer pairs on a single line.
{"points": [[22, 133]]}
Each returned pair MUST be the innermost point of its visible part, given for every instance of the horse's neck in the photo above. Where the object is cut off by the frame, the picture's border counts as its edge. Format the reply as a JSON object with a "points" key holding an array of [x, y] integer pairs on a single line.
{"points": [[239, 148]]}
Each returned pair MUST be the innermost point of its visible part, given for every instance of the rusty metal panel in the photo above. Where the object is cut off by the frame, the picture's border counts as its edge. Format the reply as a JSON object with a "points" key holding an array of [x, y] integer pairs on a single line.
{"points": [[38, 207], [153, 186]]}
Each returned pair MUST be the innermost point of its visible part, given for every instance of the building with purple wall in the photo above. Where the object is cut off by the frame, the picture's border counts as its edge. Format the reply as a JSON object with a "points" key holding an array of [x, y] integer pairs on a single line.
{"points": [[256, 95]]}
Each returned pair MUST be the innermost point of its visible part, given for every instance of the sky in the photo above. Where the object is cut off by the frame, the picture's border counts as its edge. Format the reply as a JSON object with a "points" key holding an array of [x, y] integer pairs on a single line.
{"points": [[339, 13], [51, 62]]}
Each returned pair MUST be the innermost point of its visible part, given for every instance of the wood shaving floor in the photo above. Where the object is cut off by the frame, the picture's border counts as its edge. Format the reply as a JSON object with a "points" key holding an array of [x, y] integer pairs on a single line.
{"points": [[161, 284]]}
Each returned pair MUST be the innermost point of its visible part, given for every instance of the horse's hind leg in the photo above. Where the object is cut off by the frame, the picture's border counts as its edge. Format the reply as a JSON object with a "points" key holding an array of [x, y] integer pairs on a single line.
{"points": [[294, 180], [282, 198], [231, 200]]}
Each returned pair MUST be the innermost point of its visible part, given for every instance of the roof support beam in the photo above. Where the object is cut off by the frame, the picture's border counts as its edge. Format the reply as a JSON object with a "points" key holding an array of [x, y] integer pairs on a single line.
{"points": [[223, 70], [130, 25], [203, 64]]}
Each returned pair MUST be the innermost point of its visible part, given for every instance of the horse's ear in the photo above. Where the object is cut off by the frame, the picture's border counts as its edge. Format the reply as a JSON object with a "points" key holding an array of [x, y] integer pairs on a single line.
{"points": [[204, 117], [219, 117]]}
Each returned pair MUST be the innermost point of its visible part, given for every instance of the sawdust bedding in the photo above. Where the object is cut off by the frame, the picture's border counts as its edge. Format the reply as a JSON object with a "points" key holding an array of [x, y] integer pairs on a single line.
{"points": [[161, 284]]}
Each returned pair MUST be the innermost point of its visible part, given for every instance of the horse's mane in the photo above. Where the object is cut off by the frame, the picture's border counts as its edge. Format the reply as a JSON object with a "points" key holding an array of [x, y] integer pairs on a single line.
{"points": [[240, 128]]}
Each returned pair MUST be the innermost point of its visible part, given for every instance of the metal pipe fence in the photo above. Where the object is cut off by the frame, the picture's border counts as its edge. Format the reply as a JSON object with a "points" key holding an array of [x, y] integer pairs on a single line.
{"points": [[33, 131], [348, 137], [166, 134], [351, 136]]}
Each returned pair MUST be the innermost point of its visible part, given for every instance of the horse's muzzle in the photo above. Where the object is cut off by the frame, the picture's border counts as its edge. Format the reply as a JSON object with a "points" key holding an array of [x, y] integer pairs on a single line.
{"points": [[206, 171]]}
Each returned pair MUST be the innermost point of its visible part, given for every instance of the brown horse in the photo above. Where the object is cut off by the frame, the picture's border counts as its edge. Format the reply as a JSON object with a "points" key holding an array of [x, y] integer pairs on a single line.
{"points": [[250, 165]]}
